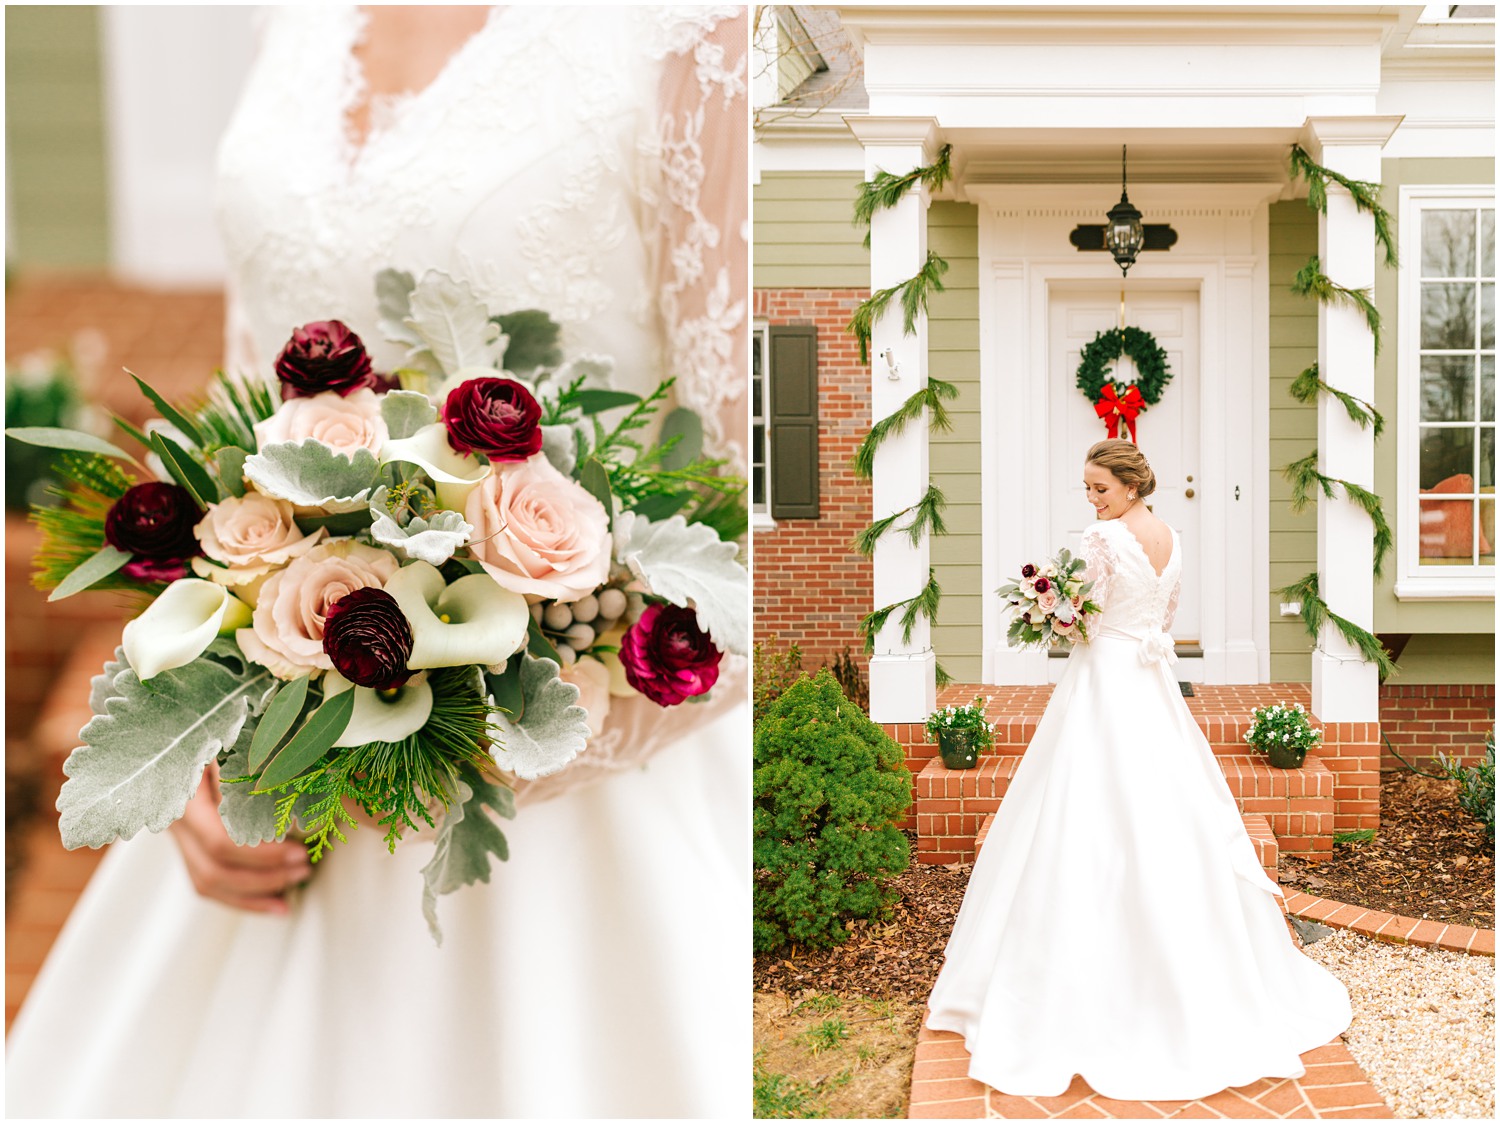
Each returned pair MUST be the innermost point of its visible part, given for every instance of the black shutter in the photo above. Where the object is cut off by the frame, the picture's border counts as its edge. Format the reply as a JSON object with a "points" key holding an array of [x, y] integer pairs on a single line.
{"points": [[793, 422]]}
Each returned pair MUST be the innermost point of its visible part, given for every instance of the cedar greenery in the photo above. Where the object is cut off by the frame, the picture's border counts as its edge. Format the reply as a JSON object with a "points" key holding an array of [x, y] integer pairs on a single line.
{"points": [[913, 292], [1312, 281], [1366, 197], [1305, 478], [930, 398], [886, 190], [1305, 388], [927, 516], [830, 791], [925, 604], [1315, 613]]}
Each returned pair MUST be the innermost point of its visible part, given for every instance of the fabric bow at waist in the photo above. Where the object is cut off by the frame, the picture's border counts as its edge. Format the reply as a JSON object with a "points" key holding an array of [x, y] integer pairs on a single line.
{"points": [[1155, 645]]}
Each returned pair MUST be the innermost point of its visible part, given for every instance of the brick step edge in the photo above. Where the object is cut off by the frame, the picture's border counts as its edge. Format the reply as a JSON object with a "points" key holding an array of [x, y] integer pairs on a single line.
{"points": [[1391, 926]]}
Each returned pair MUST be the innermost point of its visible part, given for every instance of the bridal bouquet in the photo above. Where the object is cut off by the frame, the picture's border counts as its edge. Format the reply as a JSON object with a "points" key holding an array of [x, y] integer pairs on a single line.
{"points": [[392, 593], [1049, 603]]}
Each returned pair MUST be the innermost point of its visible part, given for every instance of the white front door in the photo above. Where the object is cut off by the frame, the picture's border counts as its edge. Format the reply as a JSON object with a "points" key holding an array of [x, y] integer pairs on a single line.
{"points": [[1168, 432]]}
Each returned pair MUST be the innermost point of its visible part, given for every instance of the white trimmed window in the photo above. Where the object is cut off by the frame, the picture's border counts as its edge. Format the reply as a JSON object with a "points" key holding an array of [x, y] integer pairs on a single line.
{"points": [[760, 475], [1446, 379]]}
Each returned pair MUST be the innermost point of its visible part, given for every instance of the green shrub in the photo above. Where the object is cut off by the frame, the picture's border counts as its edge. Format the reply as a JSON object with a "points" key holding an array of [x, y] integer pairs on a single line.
{"points": [[1476, 785], [830, 787], [775, 670]]}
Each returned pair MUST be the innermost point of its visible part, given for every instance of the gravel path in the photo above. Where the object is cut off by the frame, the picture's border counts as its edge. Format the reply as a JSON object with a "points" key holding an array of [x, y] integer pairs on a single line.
{"points": [[1424, 1023]]}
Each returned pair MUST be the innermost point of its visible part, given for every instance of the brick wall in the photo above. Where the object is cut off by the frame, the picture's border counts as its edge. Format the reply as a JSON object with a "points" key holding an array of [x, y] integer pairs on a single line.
{"points": [[1421, 719], [809, 586]]}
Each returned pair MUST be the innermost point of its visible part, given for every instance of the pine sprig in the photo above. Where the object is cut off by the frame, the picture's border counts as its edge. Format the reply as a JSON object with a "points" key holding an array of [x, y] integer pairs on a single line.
{"points": [[913, 292], [1305, 388], [74, 532], [929, 397], [924, 604], [1312, 281], [1315, 613], [927, 518], [1305, 477], [230, 413], [886, 190], [1366, 196]]}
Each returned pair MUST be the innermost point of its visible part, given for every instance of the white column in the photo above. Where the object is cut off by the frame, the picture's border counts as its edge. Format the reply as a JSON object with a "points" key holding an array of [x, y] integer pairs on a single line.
{"points": [[902, 672], [1344, 687]]}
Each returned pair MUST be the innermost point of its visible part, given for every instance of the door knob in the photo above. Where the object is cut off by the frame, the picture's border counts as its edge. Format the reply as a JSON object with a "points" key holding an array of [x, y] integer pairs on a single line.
{"points": [[1188, 493]]}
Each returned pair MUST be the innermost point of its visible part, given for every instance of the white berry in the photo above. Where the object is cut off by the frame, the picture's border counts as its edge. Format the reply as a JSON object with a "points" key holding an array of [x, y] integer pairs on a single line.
{"points": [[611, 604], [557, 617], [586, 608]]}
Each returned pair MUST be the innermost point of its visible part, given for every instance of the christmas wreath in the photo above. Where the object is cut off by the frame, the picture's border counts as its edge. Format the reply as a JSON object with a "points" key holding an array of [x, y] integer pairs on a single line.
{"points": [[1113, 400]]}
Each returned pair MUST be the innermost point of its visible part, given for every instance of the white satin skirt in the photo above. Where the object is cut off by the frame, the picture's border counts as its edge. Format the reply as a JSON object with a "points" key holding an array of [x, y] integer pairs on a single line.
{"points": [[601, 973], [1117, 924]]}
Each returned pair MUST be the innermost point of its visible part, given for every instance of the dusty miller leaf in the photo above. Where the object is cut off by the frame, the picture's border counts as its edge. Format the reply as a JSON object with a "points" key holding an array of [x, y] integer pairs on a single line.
{"points": [[102, 686], [143, 758], [465, 842], [432, 540], [561, 447], [452, 324], [553, 728], [532, 336], [405, 411], [393, 304], [689, 565], [311, 474]]}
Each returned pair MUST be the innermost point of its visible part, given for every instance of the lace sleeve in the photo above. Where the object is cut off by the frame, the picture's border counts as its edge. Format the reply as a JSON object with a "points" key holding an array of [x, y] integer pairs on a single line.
{"points": [[1100, 564], [702, 214], [1166, 625]]}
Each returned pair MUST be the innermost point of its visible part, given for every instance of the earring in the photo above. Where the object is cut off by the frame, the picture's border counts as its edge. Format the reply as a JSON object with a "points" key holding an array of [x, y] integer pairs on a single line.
{"points": [[1131, 496]]}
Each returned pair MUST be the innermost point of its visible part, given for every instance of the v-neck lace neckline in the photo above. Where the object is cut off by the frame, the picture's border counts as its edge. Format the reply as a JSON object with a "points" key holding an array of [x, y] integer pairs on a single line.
{"points": [[384, 111], [1141, 550]]}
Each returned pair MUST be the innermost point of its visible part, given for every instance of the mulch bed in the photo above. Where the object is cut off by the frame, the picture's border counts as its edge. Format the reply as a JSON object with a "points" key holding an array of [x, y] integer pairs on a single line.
{"points": [[1430, 858], [897, 958]]}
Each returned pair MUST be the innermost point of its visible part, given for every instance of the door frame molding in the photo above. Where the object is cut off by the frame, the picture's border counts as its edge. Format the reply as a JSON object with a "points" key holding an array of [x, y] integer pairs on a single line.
{"points": [[1022, 232]]}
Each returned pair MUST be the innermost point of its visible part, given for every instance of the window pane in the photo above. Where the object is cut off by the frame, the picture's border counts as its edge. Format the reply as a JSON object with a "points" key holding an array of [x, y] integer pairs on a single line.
{"points": [[757, 487], [1487, 315], [1446, 534], [1448, 243], [1486, 532], [1447, 460], [757, 407], [1486, 457], [1448, 316], [1447, 388], [1487, 243], [1487, 387], [758, 444]]}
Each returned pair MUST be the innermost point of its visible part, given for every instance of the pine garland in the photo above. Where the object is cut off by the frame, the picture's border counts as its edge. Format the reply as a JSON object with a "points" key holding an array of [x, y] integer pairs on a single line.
{"points": [[1366, 197], [927, 516], [1305, 388], [913, 293], [1315, 613], [1305, 477], [1312, 281], [930, 398], [923, 604], [886, 190]]}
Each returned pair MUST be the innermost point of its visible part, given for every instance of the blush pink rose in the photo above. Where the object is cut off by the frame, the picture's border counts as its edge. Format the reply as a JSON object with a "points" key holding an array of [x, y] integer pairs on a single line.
{"points": [[1047, 601], [538, 533], [253, 532], [286, 630], [343, 423]]}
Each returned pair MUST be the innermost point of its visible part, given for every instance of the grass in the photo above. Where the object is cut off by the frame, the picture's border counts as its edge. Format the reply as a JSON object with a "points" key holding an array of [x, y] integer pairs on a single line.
{"points": [[1363, 835], [779, 1096], [829, 1034]]}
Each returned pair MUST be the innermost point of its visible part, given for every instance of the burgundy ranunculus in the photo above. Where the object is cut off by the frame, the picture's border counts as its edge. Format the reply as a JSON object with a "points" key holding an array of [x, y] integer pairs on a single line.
{"points": [[667, 657], [496, 417], [323, 355], [1028, 571], [1042, 585], [368, 638], [154, 522]]}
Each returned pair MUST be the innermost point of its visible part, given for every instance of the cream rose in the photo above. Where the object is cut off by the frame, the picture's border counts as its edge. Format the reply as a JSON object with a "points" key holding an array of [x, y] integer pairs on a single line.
{"points": [[286, 630], [342, 422], [537, 532], [253, 532], [592, 680], [1046, 602]]}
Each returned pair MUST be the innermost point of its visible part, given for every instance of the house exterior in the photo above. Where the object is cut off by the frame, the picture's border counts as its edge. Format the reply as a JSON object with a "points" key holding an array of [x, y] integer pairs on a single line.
{"points": [[1036, 102]]}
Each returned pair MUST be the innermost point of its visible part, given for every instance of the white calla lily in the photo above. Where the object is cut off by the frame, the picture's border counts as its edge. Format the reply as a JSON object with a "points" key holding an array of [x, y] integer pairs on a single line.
{"points": [[381, 716], [472, 621], [455, 474], [180, 624]]}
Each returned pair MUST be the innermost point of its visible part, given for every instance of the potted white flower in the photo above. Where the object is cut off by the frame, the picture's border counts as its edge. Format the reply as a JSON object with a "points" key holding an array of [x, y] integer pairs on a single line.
{"points": [[1283, 733], [961, 733]]}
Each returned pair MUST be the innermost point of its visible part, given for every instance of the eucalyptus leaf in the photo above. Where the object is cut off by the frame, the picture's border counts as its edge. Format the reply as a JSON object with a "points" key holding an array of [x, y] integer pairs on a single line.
{"points": [[465, 842], [533, 337], [453, 324], [595, 480], [659, 507], [316, 737], [687, 427], [229, 465], [538, 644], [597, 401], [192, 475], [143, 758], [171, 415], [131, 430], [51, 437], [689, 565], [249, 816], [341, 523], [552, 730], [505, 688], [283, 710], [95, 568], [560, 445], [311, 474], [405, 411]]}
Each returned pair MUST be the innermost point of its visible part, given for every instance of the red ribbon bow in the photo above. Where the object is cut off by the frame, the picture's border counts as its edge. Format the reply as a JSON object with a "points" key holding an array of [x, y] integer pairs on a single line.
{"points": [[1113, 406]]}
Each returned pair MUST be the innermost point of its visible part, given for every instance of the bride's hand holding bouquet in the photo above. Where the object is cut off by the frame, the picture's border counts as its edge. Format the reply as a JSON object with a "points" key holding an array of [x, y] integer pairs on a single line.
{"points": [[1049, 604]]}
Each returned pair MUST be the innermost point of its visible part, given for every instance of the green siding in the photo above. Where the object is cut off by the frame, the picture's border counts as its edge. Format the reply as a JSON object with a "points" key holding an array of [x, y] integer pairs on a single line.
{"points": [[54, 117], [1434, 658], [953, 356], [805, 237], [1293, 430]]}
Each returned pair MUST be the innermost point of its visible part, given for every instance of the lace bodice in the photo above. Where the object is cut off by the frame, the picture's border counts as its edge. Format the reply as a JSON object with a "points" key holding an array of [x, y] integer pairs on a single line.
{"points": [[1133, 598], [588, 162]]}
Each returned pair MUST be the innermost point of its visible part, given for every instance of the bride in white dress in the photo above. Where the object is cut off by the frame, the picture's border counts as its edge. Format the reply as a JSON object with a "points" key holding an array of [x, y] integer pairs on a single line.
{"points": [[1117, 924], [591, 164]]}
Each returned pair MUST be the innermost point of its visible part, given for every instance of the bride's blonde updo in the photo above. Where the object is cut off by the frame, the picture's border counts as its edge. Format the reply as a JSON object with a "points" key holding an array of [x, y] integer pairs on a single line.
{"points": [[1126, 462]]}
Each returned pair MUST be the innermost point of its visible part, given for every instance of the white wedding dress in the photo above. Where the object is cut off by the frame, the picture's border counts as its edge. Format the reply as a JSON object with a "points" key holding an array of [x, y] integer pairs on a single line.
{"points": [[1117, 924], [591, 164]]}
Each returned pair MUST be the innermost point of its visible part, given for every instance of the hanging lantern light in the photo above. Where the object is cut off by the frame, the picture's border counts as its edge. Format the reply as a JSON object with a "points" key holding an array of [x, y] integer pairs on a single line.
{"points": [[1124, 235]]}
